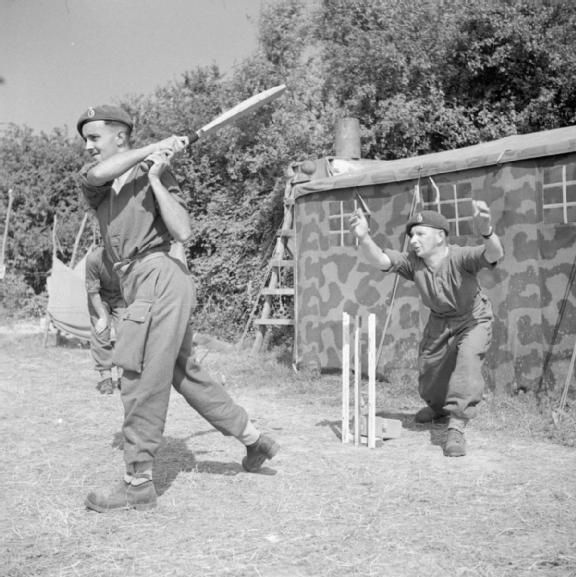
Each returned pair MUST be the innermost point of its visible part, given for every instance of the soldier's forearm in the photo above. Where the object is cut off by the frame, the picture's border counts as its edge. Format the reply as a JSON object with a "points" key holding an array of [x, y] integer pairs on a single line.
{"points": [[373, 254], [98, 305], [493, 249], [116, 165], [173, 214]]}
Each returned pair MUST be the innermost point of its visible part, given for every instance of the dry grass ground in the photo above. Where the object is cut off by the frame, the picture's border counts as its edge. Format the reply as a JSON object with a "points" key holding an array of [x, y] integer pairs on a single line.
{"points": [[320, 509]]}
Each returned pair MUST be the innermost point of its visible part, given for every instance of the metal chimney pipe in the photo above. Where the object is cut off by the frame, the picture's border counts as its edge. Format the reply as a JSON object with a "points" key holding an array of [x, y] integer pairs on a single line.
{"points": [[347, 143]]}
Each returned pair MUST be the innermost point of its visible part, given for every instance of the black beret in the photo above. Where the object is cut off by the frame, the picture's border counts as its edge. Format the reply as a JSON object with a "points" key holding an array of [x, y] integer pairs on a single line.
{"points": [[429, 218], [105, 112]]}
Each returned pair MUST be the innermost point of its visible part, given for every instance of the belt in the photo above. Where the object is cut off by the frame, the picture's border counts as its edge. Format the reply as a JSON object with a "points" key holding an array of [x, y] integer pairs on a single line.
{"points": [[123, 266]]}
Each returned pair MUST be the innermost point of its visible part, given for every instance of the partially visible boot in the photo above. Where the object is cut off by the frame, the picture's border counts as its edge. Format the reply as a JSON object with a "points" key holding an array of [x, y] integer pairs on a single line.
{"points": [[264, 448], [124, 496], [455, 444]]}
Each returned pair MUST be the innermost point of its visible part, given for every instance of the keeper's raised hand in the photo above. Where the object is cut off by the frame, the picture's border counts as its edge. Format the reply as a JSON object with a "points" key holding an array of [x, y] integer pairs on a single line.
{"points": [[359, 225], [482, 217]]}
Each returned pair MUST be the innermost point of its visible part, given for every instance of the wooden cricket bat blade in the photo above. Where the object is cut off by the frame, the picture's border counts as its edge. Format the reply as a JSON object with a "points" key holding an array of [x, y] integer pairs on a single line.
{"points": [[242, 109]]}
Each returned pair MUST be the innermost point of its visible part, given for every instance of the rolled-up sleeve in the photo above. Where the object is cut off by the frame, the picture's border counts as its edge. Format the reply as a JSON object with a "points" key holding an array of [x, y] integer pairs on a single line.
{"points": [[473, 258], [401, 263], [171, 184], [93, 194]]}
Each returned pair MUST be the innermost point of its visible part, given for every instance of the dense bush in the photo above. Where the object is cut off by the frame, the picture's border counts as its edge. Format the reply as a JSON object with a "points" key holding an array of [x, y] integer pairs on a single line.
{"points": [[18, 300]]}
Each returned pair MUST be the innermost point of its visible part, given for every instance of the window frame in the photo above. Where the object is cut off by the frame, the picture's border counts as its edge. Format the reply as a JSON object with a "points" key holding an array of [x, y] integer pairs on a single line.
{"points": [[456, 221], [342, 216], [565, 204]]}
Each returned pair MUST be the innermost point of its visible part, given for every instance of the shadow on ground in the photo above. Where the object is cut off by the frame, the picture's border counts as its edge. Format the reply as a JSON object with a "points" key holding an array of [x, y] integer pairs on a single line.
{"points": [[174, 457]]}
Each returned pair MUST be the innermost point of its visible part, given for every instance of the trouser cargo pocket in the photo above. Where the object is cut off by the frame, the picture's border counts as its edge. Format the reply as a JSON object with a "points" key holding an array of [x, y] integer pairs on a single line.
{"points": [[132, 336]]}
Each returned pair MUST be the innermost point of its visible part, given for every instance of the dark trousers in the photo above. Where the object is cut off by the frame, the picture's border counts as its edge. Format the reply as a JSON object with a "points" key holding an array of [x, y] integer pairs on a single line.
{"points": [[155, 348], [450, 364]]}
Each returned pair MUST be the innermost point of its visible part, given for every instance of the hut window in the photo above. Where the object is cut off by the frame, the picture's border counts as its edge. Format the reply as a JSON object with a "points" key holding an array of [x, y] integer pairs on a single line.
{"points": [[338, 217], [454, 201], [559, 194]]}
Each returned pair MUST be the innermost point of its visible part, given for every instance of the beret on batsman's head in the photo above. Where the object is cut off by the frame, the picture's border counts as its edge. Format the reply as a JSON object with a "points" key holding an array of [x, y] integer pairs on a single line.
{"points": [[428, 218], [105, 112]]}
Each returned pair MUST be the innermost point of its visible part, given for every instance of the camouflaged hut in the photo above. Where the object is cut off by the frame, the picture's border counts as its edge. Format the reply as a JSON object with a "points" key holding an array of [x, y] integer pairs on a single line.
{"points": [[529, 182]]}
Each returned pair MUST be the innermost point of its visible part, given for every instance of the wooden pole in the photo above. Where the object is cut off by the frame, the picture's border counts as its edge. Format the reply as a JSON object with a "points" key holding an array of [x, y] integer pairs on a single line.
{"points": [[559, 320], [372, 381], [78, 237], [564, 397], [357, 377], [48, 322], [5, 237], [396, 279], [345, 378]]}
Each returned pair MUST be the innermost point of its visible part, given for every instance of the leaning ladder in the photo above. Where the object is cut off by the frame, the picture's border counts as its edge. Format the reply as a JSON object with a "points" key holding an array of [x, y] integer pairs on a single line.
{"points": [[275, 280]]}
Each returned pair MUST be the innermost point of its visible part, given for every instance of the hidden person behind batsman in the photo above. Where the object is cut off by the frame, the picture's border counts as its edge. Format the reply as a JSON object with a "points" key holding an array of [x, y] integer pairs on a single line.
{"points": [[106, 307], [141, 210], [459, 328]]}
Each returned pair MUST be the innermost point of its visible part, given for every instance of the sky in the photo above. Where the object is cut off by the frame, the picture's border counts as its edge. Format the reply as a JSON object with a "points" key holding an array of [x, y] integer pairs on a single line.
{"points": [[58, 57]]}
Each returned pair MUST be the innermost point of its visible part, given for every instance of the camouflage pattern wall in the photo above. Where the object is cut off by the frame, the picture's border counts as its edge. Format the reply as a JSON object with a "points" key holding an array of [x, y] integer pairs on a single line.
{"points": [[528, 289]]}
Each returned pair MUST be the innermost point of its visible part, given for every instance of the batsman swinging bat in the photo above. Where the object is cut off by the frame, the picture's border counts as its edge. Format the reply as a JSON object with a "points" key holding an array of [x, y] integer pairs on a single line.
{"points": [[242, 109]]}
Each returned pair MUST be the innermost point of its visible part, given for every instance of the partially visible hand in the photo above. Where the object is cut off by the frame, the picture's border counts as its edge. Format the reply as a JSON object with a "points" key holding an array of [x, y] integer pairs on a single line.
{"points": [[160, 161], [482, 217], [101, 325], [173, 143], [165, 150], [359, 224]]}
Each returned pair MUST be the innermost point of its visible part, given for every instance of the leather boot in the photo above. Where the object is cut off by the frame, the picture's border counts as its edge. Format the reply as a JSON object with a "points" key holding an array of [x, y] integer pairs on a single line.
{"points": [[124, 496], [264, 448], [455, 444]]}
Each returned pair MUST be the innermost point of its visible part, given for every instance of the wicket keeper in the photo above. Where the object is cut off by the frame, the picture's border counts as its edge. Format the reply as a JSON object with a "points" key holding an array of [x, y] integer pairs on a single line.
{"points": [[459, 329]]}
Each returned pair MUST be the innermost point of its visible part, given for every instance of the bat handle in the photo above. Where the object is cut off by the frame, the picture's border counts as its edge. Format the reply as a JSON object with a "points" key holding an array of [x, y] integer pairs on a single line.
{"points": [[146, 164]]}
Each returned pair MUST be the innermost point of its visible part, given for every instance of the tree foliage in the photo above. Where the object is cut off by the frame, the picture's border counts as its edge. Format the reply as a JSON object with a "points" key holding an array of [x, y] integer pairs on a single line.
{"points": [[40, 170], [420, 76], [434, 75]]}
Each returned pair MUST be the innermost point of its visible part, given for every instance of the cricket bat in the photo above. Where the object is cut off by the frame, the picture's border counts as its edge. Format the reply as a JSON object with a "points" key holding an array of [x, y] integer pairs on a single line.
{"points": [[236, 112]]}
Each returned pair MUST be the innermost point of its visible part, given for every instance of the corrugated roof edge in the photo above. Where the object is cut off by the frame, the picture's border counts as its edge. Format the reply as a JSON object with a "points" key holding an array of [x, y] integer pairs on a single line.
{"points": [[502, 151]]}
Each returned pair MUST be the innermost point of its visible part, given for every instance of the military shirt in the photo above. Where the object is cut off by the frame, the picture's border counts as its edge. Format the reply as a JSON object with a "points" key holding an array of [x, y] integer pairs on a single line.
{"points": [[128, 213], [450, 290]]}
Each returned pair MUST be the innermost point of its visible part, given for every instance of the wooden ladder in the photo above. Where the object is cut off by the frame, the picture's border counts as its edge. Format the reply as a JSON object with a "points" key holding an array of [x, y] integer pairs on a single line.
{"points": [[280, 265]]}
